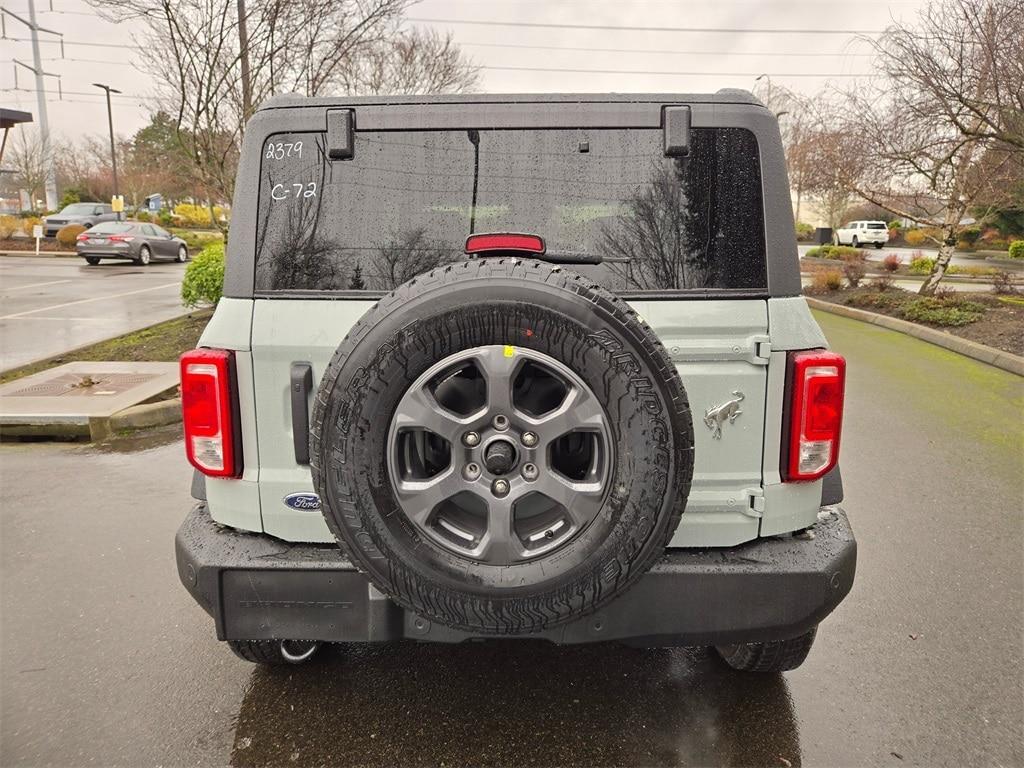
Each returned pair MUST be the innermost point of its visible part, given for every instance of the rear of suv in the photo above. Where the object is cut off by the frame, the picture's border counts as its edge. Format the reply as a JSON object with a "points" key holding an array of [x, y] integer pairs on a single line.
{"points": [[519, 367], [858, 233]]}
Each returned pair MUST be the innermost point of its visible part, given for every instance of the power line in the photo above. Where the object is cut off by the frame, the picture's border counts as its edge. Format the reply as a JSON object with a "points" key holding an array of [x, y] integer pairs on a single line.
{"points": [[81, 93], [650, 50], [76, 42], [714, 30], [678, 74]]}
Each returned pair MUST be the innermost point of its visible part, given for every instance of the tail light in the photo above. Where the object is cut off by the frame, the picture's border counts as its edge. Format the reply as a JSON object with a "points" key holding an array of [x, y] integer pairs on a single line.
{"points": [[816, 384], [82, 236], [121, 238], [210, 413], [499, 241]]}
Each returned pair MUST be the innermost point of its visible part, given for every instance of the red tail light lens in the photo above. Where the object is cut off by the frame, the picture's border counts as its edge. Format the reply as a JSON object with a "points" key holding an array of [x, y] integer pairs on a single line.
{"points": [[817, 381], [121, 238], [82, 236], [504, 242], [209, 412]]}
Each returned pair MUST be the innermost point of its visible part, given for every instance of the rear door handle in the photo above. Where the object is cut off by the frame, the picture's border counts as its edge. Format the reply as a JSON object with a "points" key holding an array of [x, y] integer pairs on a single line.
{"points": [[301, 385]]}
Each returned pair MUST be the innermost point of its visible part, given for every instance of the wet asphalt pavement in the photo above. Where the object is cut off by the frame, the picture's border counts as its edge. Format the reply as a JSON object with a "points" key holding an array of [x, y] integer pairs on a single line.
{"points": [[51, 305], [105, 660]]}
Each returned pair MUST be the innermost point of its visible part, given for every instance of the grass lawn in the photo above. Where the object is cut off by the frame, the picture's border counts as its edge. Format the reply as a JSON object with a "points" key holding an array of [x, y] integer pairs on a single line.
{"points": [[163, 342]]}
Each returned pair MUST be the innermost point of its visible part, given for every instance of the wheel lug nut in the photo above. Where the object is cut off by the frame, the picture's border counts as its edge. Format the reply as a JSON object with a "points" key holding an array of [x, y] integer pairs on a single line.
{"points": [[500, 422], [471, 471], [471, 439], [530, 472], [500, 487], [529, 439]]}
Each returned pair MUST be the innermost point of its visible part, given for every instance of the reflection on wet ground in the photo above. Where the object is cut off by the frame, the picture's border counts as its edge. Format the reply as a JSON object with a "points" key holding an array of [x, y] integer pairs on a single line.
{"points": [[513, 703]]}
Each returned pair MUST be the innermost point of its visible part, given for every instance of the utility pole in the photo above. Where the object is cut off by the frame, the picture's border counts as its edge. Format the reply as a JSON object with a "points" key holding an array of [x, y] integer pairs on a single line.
{"points": [[44, 123], [110, 124], [243, 43]]}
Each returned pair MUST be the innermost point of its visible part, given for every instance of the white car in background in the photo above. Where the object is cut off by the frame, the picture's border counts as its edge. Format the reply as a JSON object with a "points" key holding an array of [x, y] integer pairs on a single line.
{"points": [[858, 233]]}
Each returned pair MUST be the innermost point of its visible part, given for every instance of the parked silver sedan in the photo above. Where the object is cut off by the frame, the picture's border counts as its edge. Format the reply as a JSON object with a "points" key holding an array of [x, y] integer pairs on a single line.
{"points": [[137, 241]]}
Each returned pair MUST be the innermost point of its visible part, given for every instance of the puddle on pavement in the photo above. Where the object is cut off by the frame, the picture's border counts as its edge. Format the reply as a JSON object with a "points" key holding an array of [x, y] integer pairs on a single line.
{"points": [[514, 703], [137, 441]]}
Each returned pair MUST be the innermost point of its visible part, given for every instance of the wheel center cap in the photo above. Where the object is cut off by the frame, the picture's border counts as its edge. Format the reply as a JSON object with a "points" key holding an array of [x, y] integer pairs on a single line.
{"points": [[499, 457]]}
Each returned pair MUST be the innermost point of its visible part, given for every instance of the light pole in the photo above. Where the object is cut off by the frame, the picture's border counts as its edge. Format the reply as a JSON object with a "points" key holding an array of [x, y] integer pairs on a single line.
{"points": [[110, 123]]}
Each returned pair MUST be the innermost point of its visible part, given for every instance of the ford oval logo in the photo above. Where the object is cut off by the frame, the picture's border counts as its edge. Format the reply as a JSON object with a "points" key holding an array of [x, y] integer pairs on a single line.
{"points": [[302, 501]]}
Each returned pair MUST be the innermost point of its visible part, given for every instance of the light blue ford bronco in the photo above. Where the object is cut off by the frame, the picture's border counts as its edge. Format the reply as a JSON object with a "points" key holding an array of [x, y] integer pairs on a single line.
{"points": [[518, 367]]}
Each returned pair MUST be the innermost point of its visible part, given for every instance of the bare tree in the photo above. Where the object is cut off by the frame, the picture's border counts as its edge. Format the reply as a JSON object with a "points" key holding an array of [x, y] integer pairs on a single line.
{"points": [[27, 158], [305, 46], [411, 62], [950, 99], [795, 117]]}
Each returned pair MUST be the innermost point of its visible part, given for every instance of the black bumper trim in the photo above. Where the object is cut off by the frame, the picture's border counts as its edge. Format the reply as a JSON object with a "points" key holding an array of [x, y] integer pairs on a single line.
{"points": [[258, 587]]}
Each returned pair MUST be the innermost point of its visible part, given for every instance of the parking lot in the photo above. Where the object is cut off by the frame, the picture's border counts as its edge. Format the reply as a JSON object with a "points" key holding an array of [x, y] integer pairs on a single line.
{"points": [[108, 661], [50, 305]]}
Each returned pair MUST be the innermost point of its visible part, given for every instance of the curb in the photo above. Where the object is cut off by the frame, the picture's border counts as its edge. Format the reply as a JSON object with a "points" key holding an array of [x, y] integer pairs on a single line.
{"points": [[1007, 361], [141, 417], [42, 254]]}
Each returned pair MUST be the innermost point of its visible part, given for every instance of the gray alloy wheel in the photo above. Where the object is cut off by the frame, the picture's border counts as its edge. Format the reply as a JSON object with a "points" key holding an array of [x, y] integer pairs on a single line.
{"points": [[144, 254], [182, 254], [528, 462]]}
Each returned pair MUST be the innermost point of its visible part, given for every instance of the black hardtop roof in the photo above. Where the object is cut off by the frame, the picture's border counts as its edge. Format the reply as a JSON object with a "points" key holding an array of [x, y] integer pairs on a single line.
{"points": [[722, 96]]}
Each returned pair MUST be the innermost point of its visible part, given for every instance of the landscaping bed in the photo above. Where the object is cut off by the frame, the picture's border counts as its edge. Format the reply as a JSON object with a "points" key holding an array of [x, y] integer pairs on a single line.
{"points": [[164, 342], [997, 321], [28, 244]]}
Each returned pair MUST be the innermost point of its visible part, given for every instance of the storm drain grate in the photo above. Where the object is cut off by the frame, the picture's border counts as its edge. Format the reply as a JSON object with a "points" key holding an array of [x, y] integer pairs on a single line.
{"points": [[84, 384]]}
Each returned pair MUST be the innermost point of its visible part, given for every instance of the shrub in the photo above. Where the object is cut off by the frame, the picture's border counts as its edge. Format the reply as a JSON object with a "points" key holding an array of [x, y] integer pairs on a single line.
{"points": [[920, 264], [915, 237], [894, 224], [165, 218], [804, 232], [882, 299], [939, 311], [971, 271], [970, 235], [1003, 285], [67, 236], [882, 283], [9, 225], [204, 277], [189, 215], [28, 223], [1017, 249], [891, 263], [854, 269], [827, 280], [143, 216], [832, 252]]}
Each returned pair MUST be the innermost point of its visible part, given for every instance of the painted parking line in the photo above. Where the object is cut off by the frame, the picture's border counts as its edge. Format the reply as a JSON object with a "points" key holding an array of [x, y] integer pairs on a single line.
{"points": [[86, 301], [35, 285]]}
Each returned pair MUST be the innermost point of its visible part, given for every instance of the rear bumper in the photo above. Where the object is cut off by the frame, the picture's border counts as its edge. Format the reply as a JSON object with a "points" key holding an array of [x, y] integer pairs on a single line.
{"points": [[257, 587]]}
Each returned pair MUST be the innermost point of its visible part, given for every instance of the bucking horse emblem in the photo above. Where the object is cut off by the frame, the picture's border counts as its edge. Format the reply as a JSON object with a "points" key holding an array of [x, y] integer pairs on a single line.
{"points": [[715, 417]]}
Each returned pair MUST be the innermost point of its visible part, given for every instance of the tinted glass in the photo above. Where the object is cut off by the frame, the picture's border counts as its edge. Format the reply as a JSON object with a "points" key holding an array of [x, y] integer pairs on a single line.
{"points": [[407, 201], [149, 229], [78, 209], [110, 228], [876, 225]]}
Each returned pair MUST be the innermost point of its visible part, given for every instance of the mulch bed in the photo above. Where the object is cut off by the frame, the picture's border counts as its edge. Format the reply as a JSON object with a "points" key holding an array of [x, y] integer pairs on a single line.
{"points": [[48, 245], [1001, 322]]}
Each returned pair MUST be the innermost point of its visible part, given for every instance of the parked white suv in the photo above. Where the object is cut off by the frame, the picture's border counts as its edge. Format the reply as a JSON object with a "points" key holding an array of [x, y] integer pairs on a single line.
{"points": [[858, 233]]}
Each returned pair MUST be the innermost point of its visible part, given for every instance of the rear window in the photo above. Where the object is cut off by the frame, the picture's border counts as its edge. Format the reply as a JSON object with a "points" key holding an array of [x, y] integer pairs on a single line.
{"points": [[876, 225], [407, 200], [109, 228]]}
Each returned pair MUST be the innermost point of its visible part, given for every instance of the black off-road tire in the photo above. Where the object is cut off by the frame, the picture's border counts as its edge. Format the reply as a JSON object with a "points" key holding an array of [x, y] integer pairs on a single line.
{"points": [[772, 656], [264, 652], [546, 309], [879, 246]]}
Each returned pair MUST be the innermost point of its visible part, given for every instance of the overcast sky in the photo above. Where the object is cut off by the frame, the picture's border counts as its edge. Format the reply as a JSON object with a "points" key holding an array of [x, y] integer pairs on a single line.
{"points": [[612, 59]]}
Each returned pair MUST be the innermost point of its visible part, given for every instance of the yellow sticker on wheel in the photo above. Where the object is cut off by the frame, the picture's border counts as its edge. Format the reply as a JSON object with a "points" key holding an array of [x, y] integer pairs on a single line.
{"points": [[509, 350]]}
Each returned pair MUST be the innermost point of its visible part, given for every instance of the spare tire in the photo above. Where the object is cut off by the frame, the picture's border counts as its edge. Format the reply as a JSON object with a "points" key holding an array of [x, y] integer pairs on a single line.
{"points": [[502, 446]]}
